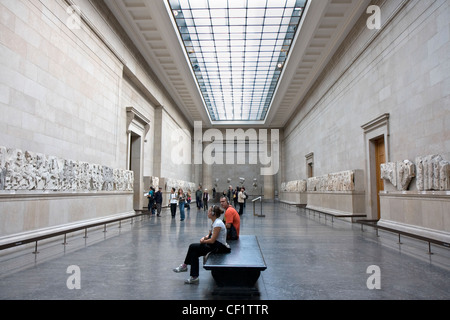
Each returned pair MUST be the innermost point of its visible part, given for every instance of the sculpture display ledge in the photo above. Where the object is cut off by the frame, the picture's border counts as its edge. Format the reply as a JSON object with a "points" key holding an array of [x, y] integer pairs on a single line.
{"points": [[418, 193], [28, 211], [340, 193], [293, 197], [339, 203], [425, 213]]}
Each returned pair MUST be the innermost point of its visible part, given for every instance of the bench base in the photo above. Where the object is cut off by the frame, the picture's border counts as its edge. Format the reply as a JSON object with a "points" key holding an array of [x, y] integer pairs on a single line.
{"points": [[233, 292], [235, 277], [237, 272]]}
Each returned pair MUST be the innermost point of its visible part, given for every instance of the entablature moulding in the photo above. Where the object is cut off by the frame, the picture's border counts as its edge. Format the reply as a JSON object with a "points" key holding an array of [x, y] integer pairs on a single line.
{"points": [[137, 122]]}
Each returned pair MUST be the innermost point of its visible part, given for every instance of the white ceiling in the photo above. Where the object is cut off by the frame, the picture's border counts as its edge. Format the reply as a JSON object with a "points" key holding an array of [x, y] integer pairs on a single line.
{"points": [[326, 24]]}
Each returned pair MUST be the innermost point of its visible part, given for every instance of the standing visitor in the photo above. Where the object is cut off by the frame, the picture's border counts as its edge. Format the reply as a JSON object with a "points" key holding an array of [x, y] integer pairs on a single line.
{"points": [[235, 196], [198, 197], [241, 199], [158, 201], [188, 202], [181, 203], [205, 200], [173, 203], [230, 194], [151, 200]]}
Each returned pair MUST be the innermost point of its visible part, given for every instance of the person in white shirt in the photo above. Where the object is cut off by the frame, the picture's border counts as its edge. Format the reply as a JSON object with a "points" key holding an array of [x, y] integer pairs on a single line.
{"points": [[214, 241], [173, 202], [241, 200]]}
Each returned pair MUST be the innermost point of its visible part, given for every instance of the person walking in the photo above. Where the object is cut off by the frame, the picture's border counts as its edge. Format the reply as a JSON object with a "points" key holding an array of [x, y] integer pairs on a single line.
{"points": [[173, 203], [188, 202], [205, 200], [235, 196], [230, 194], [241, 200], [151, 200], [215, 241], [158, 201], [198, 197], [181, 203]]}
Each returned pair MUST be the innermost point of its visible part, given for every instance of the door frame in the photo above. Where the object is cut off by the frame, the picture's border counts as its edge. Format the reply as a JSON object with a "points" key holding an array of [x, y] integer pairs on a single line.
{"points": [[137, 128], [374, 130], [379, 145]]}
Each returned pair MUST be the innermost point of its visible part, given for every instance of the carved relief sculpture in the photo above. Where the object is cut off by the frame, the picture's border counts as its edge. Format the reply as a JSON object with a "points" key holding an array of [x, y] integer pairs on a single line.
{"points": [[294, 186], [339, 181], [35, 171], [399, 173], [433, 173]]}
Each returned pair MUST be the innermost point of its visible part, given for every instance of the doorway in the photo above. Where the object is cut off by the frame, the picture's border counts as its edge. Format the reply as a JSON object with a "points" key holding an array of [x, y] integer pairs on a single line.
{"points": [[380, 157], [135, 155], [376, 143]]}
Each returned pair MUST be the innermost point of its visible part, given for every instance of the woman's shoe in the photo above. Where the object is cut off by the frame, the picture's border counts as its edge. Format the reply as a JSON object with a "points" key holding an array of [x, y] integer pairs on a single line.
{"points": [[180, 268], [192, 280]]}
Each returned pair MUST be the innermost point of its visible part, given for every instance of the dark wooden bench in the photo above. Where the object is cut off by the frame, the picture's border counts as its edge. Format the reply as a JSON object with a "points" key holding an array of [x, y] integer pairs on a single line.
{"points": [[237, 271]]}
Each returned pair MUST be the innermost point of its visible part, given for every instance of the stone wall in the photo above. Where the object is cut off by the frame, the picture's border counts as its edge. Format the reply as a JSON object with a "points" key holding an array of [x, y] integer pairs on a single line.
{"points": [[64, 95]]}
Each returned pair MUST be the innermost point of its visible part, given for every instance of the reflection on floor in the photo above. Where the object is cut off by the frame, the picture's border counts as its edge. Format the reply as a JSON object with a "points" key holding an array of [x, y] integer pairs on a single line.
{"points": [[307, 258]]}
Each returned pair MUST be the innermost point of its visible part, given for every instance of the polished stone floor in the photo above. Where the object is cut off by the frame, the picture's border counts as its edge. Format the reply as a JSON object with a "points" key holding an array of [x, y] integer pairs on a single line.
{"points": [[307, 257]]}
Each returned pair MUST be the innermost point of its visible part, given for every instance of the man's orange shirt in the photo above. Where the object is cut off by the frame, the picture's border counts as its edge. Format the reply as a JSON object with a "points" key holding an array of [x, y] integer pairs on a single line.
{"points": [[232, 216]]}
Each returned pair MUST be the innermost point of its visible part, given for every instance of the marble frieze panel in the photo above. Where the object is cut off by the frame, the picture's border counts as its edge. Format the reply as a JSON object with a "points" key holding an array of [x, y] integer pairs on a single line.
{"points": [[399, 173], [339, 181], [28, 170], [432, 173]]}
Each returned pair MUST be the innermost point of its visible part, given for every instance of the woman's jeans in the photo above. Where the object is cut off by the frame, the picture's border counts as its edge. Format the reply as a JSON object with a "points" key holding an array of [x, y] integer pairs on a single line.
{"points": [[181, 205]]}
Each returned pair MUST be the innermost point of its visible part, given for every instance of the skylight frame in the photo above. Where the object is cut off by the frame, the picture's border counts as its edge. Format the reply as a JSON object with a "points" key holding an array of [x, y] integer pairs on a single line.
{"points": [[237, 63]]}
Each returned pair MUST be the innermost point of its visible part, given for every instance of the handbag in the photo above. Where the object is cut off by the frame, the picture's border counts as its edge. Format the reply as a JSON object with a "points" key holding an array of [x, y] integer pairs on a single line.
{"points": [[232, 233]]}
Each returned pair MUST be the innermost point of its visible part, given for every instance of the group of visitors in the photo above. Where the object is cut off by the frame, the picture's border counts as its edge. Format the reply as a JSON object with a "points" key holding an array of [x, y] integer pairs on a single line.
{"points": [[180, 199], [155, 200], [221, 230], [238, 196], [183, 200], [202, 198]]}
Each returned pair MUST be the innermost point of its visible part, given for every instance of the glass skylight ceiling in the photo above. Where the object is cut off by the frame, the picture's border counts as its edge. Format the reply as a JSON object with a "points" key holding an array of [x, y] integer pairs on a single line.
{"points": [[237, 50]]}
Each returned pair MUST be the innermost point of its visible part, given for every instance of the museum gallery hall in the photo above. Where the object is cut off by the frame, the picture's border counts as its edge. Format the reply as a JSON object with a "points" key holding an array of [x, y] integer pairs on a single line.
{"points": [[325, 124]]}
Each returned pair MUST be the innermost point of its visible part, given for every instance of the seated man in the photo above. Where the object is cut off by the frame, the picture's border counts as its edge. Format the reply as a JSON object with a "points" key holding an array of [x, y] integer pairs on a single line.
{"points": [[232, 219]]}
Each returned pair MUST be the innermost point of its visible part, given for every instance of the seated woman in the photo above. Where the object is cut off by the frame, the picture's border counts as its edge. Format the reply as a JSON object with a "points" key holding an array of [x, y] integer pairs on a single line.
{"points": [[214, 241]]}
